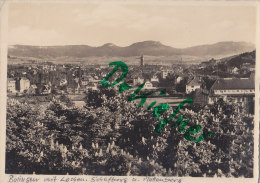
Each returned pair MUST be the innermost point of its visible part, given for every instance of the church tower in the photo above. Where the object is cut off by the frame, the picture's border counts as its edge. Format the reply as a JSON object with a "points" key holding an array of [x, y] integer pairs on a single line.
{"points": [[142, 61]]}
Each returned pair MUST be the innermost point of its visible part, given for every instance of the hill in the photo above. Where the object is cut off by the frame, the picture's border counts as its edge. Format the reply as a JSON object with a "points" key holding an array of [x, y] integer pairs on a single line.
{"points": [[151, 48], [221, 48]]}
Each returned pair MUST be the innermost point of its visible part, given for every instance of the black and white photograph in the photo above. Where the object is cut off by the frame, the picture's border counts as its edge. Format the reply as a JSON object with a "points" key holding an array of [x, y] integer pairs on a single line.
{"points": [[127, 88]]}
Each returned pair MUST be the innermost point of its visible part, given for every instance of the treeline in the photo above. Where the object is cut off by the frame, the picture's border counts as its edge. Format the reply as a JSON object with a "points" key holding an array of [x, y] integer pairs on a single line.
{"points": [[112, 136]]}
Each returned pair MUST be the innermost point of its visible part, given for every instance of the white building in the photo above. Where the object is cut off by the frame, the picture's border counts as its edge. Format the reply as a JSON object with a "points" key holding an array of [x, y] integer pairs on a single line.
{"points": [[154, 79], [237, 89], [11, 85], [148, 85], [193, 85], [179, 79], [24, 84], [235, 70], [164, 74]]}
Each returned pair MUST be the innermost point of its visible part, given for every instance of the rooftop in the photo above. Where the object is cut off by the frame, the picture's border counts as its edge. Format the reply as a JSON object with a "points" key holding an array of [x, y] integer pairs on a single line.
{"points": [[195, 81], [24, 78], [10, 79], [234, 83]]}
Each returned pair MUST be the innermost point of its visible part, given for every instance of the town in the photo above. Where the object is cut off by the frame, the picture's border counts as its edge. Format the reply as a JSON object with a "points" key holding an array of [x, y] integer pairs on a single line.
{"points": [[97, 130], [206, 82]]}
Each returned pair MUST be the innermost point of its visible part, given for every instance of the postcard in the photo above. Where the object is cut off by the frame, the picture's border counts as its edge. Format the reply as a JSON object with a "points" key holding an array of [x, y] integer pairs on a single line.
{"points": [[129, 91]]}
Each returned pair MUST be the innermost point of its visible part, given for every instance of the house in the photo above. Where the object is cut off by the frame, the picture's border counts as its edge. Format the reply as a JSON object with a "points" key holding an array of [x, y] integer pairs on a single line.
{"points": [[11, 85], [53, 68], [148, 85], [154, 79], [22, 84], [84, 81], [63, 82], [179, 78], [45, 67], [87, 78], [235, 70], [233, 86], [194, 84], [76, 80], [164, 74], [234, 90], [32, 89], [46, 89], [138, 81]]}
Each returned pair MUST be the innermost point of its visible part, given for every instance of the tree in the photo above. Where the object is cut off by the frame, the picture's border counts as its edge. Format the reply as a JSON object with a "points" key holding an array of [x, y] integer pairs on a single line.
{"points": [[181, 87]]}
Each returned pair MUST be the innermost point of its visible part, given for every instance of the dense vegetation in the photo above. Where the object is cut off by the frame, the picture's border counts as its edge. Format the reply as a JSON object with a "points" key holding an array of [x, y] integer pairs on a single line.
{"points": [[112, 136]]}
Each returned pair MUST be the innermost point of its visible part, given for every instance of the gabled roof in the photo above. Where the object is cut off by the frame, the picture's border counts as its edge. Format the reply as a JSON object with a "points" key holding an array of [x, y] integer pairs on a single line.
{"points": [[233, 83], [195, 81], [33, 86], [10, 79]]}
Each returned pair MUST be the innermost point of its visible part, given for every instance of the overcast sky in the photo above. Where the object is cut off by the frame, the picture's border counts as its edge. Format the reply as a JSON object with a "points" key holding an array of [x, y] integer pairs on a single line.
{"points": [[124, 24]]}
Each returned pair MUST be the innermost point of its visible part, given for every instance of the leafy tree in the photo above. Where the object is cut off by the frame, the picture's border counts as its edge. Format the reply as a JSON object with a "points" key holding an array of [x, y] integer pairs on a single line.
{"points": [[181, 87]]}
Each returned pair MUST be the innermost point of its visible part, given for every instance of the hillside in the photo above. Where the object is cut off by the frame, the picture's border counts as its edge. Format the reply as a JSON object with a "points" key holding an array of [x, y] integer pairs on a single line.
{"points": [[221, 48], [239, 60], [241, 65]]}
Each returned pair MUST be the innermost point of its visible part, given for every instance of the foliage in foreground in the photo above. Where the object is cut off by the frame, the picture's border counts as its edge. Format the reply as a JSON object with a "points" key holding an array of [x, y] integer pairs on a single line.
{"points": [[115, 137]]}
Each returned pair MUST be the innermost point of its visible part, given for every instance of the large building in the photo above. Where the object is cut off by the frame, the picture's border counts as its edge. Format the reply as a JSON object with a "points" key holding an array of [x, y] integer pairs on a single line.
{"points": [[22, 84], [234, 90], [11, 85]]}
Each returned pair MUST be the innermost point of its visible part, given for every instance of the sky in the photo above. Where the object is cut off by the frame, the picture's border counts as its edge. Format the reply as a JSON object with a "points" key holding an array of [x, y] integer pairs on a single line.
{"points": [[95, 24]]}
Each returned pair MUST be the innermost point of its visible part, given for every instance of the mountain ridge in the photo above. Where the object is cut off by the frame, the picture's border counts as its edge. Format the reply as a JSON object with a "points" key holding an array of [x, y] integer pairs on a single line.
{"points": [[153, 48]]}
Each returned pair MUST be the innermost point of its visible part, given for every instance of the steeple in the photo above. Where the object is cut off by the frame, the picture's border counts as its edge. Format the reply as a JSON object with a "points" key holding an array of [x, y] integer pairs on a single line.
{"points": [[142, 61]]}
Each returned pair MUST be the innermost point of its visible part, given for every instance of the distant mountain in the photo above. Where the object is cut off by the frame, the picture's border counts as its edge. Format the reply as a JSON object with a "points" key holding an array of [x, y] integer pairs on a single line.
{"points": [[152, 48], [221, 48]]}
